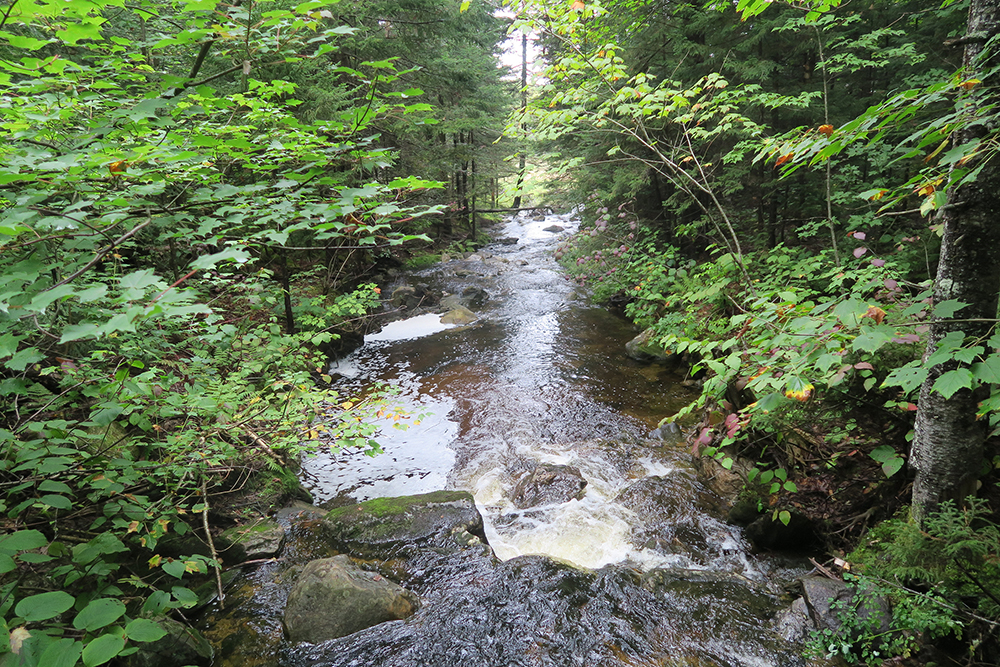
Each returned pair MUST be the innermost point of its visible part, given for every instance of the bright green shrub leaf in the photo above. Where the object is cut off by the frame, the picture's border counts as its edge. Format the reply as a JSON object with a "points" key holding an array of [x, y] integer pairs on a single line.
{"points": [[184, 596], [908, 377], [174, 568], [44, 606], [102, 649], [98, 614], [952, 381], [34, 557], [988, 370], [24, 358], [785, 517], [22, 540], [51, 485], [61, 653], [78, 331], [6, 563], [892, 466], [59, 502], [872, 338], [144, 630], [947, 309]]}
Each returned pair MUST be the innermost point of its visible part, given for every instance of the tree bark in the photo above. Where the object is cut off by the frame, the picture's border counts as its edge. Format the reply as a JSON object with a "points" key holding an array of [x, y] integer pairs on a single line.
{"points": [[524, 108], [948, 443]]}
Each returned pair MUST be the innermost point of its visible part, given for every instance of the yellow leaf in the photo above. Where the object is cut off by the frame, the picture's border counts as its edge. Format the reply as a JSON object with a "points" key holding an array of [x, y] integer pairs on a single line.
{"points": [[133, 527], [155, 561], [347, 405], [191, 566]]}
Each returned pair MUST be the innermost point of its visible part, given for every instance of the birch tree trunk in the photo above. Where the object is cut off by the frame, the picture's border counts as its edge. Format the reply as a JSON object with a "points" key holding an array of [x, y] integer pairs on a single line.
{"points": [[948, 444]]}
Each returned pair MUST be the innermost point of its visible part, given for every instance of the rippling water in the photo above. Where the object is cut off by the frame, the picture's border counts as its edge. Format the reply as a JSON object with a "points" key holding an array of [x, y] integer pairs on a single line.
{"points": [[642, 570]]}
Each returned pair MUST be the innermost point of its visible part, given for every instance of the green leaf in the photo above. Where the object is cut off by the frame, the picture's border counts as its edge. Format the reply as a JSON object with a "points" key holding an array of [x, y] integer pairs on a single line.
{"points": [[947, 309], [78, 331], [988, 370], [184, 596], [44, 606], [22, 540], [57, 501], [174, 568], [892, 466], [785, 517], [6, 564], [102, 649], [64, 652], [24, 358], [952, 381], [98, 614], [144, 630], [230, 254], [908, 377]]}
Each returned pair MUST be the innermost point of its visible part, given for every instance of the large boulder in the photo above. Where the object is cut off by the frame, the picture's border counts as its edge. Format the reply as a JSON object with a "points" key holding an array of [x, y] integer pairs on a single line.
{"points": [[549, 484], [823, 597], [378, 527], [334, 598]]}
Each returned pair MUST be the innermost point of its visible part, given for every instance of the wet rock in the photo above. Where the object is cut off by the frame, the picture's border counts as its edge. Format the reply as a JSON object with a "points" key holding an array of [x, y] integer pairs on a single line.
{"points": [[726, 482], [375, 528], [334, 598], [181, 646], [549, 484], [507, 240], [768, 533], [645, 348], [822, 596], [744, 512], [666, 431], [555, 229], [794, 624], [459, 315], [403, 295], [263, 539], [672, 509]]}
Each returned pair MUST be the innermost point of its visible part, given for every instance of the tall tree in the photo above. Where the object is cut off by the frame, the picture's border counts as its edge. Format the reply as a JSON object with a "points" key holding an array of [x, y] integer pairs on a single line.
{"points": [[948, 444]]}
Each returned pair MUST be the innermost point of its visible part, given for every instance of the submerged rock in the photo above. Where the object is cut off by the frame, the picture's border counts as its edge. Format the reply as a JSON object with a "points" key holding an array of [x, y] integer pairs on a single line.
{"points": [[555, 229], [375, 528], [645, 348], [459, 315], [333, 598], [549, 484]]}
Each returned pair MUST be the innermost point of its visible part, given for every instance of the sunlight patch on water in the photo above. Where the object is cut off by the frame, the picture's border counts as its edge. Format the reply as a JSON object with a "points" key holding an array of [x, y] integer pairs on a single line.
{"points": [[415, 327]]}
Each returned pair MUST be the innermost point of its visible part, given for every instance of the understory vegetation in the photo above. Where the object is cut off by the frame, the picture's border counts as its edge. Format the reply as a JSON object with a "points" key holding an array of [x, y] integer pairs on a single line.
{"points": [[767, 192], [197, 202]]}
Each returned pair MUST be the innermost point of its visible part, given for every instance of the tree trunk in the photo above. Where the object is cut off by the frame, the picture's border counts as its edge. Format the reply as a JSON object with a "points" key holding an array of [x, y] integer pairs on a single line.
{"points": [[948, 445], [524, 110]]}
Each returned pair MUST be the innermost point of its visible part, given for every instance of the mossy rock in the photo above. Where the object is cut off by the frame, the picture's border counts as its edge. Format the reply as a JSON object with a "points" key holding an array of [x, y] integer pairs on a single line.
{"points": [[442, 519], [262, 539], [645, 348]]}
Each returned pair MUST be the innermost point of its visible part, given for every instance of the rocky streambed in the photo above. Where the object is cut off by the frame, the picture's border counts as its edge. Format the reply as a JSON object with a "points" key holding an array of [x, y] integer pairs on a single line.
{"points": [[534, 517]]}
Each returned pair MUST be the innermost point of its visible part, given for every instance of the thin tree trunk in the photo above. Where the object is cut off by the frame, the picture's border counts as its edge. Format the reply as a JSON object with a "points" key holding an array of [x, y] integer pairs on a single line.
{"points": [[948, 445], [524, 109]]}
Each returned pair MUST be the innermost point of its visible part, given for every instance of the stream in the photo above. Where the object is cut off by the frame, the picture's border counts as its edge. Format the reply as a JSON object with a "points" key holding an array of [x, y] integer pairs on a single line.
{"points": [[641, 570]]}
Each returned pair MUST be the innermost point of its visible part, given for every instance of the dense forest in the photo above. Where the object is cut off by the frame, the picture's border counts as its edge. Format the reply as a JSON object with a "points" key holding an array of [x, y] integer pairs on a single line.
{"points": [[201, 201]]}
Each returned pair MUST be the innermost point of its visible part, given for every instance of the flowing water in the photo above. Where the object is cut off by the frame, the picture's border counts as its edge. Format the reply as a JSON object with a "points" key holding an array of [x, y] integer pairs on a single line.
{"points": [[641, 570]]}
